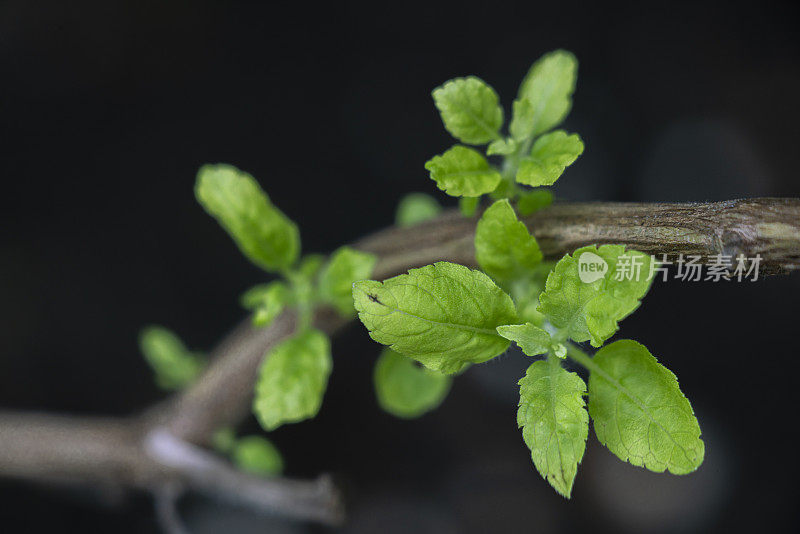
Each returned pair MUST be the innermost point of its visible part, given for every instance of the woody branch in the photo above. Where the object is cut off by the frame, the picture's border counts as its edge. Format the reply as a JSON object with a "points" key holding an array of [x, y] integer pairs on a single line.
{"points": [[162, 448]]}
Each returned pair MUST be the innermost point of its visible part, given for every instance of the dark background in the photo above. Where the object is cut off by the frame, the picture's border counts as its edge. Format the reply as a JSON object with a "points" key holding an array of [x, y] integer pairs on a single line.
{"points": [[108, 109]]}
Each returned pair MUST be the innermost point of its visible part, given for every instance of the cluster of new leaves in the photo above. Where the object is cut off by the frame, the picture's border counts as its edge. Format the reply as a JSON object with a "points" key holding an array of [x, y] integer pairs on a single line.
{"points": [[176, 367], [294, 376], [438, 320], [447, 316], [533, 154]]}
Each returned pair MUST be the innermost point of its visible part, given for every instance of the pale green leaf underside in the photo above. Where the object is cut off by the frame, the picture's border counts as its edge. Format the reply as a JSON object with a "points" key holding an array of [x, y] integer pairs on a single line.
{"points": [[415, 208], [554, 422], [504, 248], [591, 311], [406, 390], [257, 455], [551, 155], [462, 171], [470, 110], [548, 87], [443, 315], [261, 231], [639, 411], [292, 380], [530, 338], [174, 365], [336, 279]]}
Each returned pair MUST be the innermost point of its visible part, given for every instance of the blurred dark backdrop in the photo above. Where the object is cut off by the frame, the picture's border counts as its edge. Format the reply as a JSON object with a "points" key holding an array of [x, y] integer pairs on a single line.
{"points": [[108, 108]]}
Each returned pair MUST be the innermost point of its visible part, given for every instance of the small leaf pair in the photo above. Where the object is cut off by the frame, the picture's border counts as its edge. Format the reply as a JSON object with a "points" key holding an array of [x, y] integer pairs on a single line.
{"points": [[637, 407]]}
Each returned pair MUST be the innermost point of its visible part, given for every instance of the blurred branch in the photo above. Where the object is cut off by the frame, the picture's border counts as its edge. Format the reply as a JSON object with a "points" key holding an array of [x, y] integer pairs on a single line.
{"points": [[129, 453], [161, 448]]}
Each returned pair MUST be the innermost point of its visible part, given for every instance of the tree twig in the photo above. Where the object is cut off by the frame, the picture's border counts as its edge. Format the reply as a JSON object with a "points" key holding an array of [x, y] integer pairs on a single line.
{"points": [[161, 447]]}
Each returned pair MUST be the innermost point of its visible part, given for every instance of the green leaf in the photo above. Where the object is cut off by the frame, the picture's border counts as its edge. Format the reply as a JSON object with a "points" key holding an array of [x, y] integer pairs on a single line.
{"points": [[554, 421], [293, 379], [267, 301], [261, 231], [640, 413], [443, 315], [174, 365], [415, 208], [406, 390], [530, 338], [521, 127], [533, 201], [470, 110], [501, 147], [591, 309], [551, 154], [548, 87], [504, 248], [468, 205], [462, 171], [336, 280], [257, 455]]}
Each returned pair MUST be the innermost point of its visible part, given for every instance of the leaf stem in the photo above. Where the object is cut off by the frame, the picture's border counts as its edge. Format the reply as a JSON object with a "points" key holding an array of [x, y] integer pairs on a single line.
{"points": [[578, 355]]}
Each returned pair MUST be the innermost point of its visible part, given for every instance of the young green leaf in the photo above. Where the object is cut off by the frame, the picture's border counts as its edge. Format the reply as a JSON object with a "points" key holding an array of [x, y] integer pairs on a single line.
{"points": [[462, 171], [261, 231], [548, 87], [415, 208], [640, 413], [293, 379], [501, 147], [530, 338], [470, 110], [406, 390], [174, 365], [551, 154], [257, 455], [588, 292], [468, 205], [533, 201], [443, 315], [266, 301], [336, 279], [504, 248], [554, 422], [521, 127]]}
